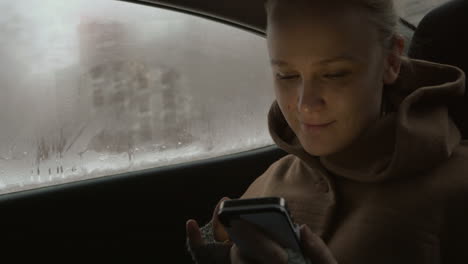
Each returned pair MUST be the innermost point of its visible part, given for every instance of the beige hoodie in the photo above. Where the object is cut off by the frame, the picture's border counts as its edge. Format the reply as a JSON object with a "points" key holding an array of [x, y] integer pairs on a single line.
{"points": [[399, 193]]}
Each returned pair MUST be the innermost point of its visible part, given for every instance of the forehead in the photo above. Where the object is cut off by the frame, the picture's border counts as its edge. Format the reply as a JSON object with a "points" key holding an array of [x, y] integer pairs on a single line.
{"points": [[325, 29]]}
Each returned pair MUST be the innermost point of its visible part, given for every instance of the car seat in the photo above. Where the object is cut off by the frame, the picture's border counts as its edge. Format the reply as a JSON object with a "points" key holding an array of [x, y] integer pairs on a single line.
{"points": [[442, 37]]}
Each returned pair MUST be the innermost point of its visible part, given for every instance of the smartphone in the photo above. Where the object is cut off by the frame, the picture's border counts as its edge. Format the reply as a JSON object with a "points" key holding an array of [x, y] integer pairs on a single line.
{"points": [[269, 214]]}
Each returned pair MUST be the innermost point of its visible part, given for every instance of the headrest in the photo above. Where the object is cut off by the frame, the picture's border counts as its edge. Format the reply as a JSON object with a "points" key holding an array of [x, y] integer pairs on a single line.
{"points": [[442, 37]]}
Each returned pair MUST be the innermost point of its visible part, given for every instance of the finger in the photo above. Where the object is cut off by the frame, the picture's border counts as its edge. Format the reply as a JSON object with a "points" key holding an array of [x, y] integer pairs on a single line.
{"points": [[236, 257], [194, 234], [256, 245], [219, 231], [314, 247]]}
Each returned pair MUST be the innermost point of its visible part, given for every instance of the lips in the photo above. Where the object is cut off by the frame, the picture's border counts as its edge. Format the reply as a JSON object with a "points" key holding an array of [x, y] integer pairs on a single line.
{"points": [[316, 127], [323, 124]]}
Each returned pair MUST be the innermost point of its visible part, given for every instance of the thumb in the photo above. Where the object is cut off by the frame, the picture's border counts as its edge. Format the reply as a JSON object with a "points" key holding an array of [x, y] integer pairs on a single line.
{"points": [[194, 234], [219, 231], [314, 247]]}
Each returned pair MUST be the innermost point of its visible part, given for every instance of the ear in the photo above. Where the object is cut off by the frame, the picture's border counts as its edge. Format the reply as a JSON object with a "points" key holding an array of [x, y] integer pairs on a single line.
{"points": [[393, 59]]}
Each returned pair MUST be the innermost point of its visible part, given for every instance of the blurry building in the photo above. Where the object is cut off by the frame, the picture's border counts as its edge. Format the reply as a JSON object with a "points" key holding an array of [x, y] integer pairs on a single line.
{"points": [[137, 103]]}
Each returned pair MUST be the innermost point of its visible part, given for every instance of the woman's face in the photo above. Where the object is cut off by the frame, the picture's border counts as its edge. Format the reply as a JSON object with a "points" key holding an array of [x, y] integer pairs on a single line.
{"points": [[329, 69]]}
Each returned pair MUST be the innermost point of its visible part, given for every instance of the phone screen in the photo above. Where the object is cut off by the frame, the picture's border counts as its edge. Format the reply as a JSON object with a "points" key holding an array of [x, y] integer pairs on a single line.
{"points": [[268, 214]]}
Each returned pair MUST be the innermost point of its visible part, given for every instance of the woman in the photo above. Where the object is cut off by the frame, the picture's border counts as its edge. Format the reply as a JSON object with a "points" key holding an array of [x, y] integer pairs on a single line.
{"points": [[376, 171]]}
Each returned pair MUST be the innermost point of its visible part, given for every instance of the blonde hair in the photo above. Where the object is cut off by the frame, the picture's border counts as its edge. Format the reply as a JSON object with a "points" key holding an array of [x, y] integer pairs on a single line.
{"points": [[382, 13]]}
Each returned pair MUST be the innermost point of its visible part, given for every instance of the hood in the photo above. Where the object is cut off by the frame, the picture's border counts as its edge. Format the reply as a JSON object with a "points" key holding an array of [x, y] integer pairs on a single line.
{"points": [[416, 134]]}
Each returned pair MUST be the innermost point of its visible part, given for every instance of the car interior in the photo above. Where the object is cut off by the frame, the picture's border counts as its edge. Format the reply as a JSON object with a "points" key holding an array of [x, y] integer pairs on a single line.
{"points": [[140, 216]]}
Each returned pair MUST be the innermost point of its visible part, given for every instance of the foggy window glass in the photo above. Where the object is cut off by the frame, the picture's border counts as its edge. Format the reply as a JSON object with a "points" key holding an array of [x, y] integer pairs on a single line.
{"points": [[94, 88], [414, 10]]}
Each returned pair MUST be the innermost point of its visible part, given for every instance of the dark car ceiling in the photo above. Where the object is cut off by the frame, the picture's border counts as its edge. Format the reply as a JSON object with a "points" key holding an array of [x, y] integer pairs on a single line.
{"points": [[249, 14], [246, 13]]}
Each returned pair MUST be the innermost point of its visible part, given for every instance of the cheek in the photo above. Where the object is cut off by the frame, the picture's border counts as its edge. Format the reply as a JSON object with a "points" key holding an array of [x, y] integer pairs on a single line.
{"points": [[286, 99], [352, 103], [288, 109], [287, 102], [363, 105]]}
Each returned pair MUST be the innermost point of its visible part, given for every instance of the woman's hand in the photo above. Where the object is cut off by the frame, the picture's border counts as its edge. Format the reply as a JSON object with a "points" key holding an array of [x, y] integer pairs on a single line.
{"points": [[194, 234], [314, 248], [258, 248]]}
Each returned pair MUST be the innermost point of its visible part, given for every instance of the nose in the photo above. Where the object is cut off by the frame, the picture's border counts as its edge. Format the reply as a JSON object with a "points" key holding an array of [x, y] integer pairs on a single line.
{"points": [[310, 98]]}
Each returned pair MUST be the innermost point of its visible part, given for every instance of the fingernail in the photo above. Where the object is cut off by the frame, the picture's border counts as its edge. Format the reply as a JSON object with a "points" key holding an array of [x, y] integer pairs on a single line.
{"points": [[190, 223], [305, 229], [302, 227]]}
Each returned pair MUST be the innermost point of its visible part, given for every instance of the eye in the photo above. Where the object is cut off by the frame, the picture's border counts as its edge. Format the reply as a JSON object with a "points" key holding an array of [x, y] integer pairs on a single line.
{"points": [[280, 76], [337, 75]]}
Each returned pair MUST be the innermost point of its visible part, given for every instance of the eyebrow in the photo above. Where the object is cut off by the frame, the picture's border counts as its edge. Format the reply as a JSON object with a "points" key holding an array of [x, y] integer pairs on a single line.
{"points": [[282, 63]]}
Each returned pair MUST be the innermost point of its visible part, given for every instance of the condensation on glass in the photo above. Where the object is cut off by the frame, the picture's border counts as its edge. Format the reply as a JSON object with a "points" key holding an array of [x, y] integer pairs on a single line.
{"points": [[94, 88]]}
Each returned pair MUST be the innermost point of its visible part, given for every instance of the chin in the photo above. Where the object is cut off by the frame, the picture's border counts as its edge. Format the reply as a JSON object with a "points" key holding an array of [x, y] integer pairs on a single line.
{"points": [[318, 150]]}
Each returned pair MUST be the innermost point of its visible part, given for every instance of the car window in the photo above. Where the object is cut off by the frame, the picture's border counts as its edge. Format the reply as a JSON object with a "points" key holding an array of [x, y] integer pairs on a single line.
{"points": [[95, 88], [414, 10], [411, 13]]}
